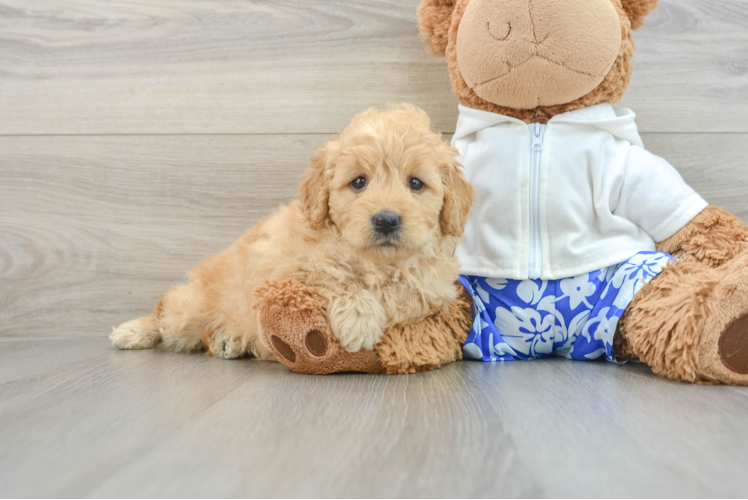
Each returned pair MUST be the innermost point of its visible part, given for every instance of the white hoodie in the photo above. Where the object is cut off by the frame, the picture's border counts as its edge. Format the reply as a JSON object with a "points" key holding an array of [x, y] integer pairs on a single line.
{"points": [[565, 199]]}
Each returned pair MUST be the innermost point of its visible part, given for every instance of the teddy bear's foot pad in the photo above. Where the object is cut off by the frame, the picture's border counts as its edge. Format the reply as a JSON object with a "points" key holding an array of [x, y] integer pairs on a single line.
{"points": [[723, 347], [315, 343], [319, 353], [284, 350], [733, 346], [294, 326]]}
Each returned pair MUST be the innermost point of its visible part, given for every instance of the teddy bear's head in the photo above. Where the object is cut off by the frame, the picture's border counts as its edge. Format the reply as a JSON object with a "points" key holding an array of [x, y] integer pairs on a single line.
{"points": [[533, 59]]}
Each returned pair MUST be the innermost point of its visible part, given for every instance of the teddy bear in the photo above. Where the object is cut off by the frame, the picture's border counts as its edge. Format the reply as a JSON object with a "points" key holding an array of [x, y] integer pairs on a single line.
{"points": [[582, 244]]}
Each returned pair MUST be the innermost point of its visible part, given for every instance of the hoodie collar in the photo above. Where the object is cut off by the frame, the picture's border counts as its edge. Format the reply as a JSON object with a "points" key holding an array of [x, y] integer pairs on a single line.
{"points": [[619, 122]]}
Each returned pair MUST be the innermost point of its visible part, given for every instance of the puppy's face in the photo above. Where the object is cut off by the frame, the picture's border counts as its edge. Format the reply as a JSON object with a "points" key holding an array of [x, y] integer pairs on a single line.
{"points": [[385, 200], [389, 184]]}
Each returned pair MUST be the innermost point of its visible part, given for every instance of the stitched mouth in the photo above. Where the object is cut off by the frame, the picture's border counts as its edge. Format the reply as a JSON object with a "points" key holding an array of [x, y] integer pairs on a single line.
{"points": [[512, 68]]}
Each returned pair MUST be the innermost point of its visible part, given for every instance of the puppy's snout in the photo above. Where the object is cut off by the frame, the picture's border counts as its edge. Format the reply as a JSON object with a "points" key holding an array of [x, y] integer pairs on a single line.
{"points": [[386, 222]]}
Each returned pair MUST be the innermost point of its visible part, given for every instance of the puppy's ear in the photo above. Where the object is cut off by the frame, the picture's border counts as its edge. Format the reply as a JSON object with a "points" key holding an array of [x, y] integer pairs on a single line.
{"points": [[459, 196], [637, 10], [434, 20], [314, 190]]}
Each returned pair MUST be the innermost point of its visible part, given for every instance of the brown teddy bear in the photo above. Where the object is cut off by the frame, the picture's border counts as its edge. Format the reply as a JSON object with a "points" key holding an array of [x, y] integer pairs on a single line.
{"points": [[571, 209]]}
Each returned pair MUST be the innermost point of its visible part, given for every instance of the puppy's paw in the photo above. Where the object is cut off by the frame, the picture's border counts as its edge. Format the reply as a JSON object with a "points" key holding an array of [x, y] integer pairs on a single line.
{"points": [[135, 334], [358, 321], [363, 336], [224, 346], [229, 348]]}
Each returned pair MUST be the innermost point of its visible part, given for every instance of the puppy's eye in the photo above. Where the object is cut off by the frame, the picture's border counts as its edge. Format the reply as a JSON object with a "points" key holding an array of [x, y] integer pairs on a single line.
{"points": [[415, 184], [359, 183]]}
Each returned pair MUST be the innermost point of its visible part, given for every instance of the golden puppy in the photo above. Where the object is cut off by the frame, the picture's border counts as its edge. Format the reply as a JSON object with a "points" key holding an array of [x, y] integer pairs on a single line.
{"points": [[380, 211]]}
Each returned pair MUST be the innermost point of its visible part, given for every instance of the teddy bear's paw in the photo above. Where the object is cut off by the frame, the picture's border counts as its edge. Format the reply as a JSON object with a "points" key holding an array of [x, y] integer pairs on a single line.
{"points": [[295, 328], [314, 350], [302, 340], [733, 346], [723, 348]]}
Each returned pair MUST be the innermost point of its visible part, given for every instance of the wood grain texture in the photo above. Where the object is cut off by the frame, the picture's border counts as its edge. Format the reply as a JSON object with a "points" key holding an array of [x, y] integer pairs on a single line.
{"points": [[300, 66], [78, 418], [102, 220], [92, 229]]}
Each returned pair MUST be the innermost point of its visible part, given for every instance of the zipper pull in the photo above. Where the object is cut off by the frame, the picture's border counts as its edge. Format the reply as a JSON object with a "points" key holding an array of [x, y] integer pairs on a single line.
{"points": [[538, 134]]}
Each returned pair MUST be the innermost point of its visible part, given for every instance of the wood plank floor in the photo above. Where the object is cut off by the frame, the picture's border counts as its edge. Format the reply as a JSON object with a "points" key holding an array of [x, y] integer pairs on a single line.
{"points": [[136, 138], [82, 419]]}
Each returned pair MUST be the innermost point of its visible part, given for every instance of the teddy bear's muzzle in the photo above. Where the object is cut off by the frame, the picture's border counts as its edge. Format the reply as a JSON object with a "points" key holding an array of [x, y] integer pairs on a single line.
{"points": [[528, 53]]}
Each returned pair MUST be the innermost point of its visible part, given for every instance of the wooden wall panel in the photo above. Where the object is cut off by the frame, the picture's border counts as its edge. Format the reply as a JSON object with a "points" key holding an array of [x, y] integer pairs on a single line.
{"points": [[300, 66], [93, 228]]}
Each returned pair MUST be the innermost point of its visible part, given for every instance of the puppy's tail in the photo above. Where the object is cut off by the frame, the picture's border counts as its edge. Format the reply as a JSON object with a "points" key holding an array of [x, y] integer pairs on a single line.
{"points": [[141, 333]]}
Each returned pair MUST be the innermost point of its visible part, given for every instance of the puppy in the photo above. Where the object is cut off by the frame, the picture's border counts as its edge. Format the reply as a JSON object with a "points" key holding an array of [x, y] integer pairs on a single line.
{"points": [[373, 234]]}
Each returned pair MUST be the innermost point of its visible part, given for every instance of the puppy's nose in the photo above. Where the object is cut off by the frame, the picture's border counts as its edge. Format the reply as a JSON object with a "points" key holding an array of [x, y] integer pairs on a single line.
{"points": [[386, 222]]}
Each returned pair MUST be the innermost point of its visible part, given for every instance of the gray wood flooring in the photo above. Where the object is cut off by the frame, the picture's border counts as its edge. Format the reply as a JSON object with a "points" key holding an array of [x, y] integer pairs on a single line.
{"points": [[138, 137], [81, 419]]}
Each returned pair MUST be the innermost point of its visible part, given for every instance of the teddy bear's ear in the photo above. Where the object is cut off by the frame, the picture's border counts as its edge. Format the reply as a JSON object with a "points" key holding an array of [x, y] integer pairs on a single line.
{"points": [[434, 19], [638, 10]]}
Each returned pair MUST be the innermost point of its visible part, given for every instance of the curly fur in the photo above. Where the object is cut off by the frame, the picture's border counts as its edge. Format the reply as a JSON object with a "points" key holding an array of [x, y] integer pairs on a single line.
{"points": [[326, 242], [434, 19], [637, 10], [714, 237], [429, 344]]}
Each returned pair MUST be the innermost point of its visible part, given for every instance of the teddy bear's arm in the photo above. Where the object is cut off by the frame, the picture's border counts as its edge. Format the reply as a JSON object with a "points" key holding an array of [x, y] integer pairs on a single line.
{"points": [[428, 344], [295, 327], [714, 237]]}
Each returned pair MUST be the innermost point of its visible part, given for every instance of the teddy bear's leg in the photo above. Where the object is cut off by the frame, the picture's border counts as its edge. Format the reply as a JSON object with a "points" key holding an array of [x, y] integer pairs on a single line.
{"points": [[713, 237], [293, 324], [691, 322], [430, 343]]}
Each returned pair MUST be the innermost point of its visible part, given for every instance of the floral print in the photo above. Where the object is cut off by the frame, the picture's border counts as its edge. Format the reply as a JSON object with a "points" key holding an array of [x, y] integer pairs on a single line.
{"points": [[575, 318]]}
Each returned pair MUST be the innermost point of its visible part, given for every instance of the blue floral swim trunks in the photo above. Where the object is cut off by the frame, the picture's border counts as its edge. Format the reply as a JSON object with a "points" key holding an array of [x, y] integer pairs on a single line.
{"points": [[575, 318]]}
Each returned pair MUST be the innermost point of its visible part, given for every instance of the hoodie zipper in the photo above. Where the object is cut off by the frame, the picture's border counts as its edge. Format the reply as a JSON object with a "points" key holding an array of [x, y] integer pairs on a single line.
{"points": [[535, 257]]}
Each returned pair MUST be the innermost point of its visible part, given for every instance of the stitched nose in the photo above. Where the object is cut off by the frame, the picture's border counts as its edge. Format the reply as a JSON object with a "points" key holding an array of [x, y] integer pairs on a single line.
{"points": [[386, 222]]}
